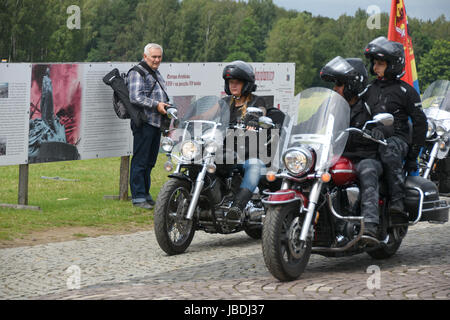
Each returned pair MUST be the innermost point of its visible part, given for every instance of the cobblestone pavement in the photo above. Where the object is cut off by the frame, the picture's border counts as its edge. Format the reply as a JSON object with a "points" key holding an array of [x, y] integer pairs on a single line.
{"points": [[220, 267]]}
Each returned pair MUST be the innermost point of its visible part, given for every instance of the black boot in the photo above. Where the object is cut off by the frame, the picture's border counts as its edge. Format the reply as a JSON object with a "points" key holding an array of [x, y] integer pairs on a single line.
{"points": [[396, 206], [371, 230], [236, 211], [397, 212], [370, 235]]}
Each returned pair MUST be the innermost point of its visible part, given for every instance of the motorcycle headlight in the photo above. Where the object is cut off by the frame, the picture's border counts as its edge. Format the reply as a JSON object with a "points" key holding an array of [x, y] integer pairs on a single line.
{"points": [[211, 146], [190, 149], [167, 144], [298, 160], [431, 129], [440, 130]]}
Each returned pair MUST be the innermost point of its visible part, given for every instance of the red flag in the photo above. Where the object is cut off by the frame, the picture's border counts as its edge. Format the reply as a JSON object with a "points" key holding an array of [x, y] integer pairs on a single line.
{"points": [[398, 31]]}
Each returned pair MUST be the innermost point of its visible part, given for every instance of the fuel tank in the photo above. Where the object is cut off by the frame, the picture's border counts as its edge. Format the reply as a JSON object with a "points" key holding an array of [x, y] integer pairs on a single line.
{"points": [[343, 172]]}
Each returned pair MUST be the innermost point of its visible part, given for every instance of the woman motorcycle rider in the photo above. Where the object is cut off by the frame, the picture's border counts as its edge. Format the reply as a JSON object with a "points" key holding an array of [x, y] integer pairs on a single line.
{"points": [[350, 81], [239, 84], [387, 93]]}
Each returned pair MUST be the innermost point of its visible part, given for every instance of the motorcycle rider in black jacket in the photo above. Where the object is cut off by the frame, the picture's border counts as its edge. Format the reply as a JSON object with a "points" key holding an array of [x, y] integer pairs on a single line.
{"points": [[350, 78], [388, 93]]}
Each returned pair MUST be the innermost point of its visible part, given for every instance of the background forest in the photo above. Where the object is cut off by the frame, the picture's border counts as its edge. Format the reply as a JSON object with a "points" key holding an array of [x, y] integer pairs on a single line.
{"points": [[206, 31]]}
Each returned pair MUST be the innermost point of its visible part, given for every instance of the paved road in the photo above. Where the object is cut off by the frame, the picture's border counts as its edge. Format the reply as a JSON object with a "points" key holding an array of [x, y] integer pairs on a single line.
{"points": [[220, 267]]}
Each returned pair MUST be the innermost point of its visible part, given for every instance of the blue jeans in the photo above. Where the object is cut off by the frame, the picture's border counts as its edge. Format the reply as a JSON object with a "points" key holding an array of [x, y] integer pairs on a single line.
{"points": [[145, 152], [253, 170]]}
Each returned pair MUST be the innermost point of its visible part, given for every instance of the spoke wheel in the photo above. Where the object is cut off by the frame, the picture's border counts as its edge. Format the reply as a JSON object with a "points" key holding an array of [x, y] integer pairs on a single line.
{"points": [[173, 232], [285, 255]]}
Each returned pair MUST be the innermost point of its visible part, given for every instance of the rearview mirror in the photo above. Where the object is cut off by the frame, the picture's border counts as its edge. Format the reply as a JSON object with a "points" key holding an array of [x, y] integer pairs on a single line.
{"points": [[172, 113], [265, 122], [386, 119], [255, 111]]}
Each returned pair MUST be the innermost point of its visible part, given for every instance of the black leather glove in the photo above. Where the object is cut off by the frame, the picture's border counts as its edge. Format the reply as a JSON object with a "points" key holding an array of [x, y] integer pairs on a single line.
{"points": [[377, 134], [413, 152], [411, 165], [251, 120], [411, 158]]}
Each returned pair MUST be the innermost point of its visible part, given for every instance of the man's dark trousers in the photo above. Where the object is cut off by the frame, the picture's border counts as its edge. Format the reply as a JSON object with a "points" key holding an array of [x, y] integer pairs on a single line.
{"points": [[145, 152]]}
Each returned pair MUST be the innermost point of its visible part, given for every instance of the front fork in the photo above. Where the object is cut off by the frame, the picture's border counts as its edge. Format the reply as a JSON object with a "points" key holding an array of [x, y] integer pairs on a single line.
{"points": [[313, 197], [199, 182], [312, 203], [430, 162]]}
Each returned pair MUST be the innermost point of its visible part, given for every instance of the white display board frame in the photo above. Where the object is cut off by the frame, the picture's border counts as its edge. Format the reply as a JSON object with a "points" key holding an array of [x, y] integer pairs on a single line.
{"points": [[98, 131]]}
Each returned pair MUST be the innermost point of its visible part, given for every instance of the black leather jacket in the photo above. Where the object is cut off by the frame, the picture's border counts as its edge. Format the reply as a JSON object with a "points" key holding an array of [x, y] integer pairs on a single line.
{"points": [[358, 147], [402, 101]]}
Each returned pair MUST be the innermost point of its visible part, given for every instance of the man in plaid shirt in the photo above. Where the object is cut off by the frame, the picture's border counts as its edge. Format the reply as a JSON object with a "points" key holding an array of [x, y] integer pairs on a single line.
{"points": [[151, 96]]}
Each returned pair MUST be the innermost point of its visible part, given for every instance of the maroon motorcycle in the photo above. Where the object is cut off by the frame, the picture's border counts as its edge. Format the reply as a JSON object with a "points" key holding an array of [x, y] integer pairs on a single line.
{"points": [[317, 209]]}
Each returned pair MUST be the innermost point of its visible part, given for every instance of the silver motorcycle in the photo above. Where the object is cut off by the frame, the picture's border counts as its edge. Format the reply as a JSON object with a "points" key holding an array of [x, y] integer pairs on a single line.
{"points": [[434, 160], [200, 191]]}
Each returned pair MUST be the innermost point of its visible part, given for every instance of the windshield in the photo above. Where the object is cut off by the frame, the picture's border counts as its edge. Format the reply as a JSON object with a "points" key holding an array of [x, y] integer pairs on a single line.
{"points": [[201, 119], [317, 118], [437, 95], [436, 100]]}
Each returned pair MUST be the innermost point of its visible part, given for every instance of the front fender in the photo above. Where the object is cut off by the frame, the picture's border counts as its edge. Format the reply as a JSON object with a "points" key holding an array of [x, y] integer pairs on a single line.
{"points": [[285, 196], [181, 176]]}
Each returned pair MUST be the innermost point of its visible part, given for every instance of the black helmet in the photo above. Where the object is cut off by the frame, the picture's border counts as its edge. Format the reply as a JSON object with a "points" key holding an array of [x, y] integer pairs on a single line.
{"points": [[350, 72], [242, 71], [390, 51]]}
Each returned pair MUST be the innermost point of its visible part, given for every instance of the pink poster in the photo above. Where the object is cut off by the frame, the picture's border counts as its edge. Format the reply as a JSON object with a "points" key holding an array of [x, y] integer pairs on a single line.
{"points": [[55, 112]]}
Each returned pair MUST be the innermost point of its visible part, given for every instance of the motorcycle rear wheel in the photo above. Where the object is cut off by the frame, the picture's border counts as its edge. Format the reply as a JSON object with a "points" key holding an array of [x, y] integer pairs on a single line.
{"points": [[173, 232], [392, 246], [284, 256]]}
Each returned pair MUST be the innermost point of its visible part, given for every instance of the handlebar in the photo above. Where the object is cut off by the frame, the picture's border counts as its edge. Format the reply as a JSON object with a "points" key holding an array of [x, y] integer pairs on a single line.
{"points": [[366, 135]]}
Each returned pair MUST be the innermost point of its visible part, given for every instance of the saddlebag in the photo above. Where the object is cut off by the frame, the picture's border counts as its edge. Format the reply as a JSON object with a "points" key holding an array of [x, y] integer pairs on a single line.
{"points": [[433, 209]]}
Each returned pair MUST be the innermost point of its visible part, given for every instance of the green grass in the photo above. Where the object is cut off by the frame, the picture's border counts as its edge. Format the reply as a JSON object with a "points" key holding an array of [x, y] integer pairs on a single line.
{"points": [[72, 203]]}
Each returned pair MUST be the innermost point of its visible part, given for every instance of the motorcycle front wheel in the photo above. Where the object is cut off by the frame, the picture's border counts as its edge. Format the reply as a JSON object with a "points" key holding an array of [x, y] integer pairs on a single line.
{"points": [[285, 256], [173, 232]]}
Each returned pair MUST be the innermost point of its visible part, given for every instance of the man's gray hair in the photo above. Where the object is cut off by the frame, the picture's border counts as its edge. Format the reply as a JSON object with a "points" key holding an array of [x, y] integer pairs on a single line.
{"points": [[151, 46]]}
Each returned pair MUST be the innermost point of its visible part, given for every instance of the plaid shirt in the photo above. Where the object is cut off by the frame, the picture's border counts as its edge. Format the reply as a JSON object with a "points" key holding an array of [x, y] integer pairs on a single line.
{"points": [[140, 95]]}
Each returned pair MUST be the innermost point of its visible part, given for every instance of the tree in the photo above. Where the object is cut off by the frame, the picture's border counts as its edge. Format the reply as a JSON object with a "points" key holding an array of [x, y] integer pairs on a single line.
{"points": [[435, 64], [264, 14], [24, 36], [205, 30], [291, 41], [324, 48], [107, 21], [245, 47]]}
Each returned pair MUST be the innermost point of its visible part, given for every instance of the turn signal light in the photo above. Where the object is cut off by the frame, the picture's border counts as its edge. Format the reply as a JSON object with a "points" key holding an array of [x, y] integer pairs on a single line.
{"points": [[168, 166], [270, 176], [325, 177]]}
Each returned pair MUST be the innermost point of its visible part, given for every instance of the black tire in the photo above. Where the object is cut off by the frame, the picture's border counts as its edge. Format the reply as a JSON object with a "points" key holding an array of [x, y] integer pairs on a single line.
{"points": [[167, 223], [392, 246], [278, 256], [255, 233]]}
